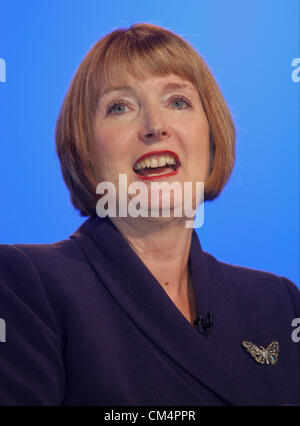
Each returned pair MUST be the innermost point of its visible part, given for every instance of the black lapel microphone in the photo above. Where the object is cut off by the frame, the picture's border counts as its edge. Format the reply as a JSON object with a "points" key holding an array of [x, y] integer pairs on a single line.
{"points": [[204, 324]]}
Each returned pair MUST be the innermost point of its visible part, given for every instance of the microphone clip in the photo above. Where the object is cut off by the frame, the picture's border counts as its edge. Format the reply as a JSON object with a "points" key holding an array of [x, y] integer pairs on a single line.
{"points": [[204, 324]]}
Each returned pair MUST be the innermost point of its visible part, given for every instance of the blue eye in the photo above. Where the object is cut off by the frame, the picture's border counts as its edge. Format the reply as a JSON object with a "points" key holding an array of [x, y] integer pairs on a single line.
{"points": [[116, 105], [181, 100], [115, 108]]}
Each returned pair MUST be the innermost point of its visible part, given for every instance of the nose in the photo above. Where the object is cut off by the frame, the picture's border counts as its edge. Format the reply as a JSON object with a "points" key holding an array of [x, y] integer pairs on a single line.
{"points": [[154, 128]]}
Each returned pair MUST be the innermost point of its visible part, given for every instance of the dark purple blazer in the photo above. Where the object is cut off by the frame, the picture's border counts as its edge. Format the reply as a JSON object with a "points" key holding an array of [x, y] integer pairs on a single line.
{"points": [[88, 324]]}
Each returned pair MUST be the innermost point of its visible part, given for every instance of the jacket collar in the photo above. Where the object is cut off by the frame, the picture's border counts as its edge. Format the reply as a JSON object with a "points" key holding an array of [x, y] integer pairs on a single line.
{"points": [[208, 360]]}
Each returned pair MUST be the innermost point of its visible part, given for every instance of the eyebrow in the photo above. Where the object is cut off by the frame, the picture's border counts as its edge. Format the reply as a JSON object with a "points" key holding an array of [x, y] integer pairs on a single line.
{"points": [[168, 86]]}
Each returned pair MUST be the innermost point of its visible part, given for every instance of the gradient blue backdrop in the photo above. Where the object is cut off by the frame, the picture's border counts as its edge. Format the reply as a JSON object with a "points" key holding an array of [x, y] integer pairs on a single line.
{"points": [[249, 46]]}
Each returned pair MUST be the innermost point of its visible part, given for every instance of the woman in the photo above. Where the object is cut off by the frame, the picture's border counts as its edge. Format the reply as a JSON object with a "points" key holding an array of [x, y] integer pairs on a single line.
{"points": [[129, 310]]}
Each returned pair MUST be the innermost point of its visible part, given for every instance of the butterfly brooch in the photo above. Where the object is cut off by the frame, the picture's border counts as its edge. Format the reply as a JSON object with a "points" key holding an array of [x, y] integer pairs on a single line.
{"points": [[263, 355]]}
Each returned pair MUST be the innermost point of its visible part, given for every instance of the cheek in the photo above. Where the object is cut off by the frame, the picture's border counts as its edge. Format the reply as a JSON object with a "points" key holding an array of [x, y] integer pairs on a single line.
{"points": [[200, 149], [112, 140], [102, 150], [103, 141], [110, 151], [106, 146]]}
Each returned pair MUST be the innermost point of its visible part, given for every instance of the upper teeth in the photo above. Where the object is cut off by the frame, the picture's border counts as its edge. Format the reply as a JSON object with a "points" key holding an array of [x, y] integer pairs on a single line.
{"points": [[155, 162]]}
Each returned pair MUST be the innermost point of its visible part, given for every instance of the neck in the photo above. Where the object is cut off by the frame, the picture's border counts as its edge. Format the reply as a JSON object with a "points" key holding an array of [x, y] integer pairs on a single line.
{"points": [[163, 246]]}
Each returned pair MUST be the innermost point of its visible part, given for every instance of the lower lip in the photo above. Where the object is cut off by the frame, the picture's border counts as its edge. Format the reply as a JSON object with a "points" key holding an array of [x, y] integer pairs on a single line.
{"points": [[158, 176]]}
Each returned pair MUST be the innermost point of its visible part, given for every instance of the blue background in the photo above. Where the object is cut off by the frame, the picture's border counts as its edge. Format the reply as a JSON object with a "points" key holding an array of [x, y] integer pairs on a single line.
{"points": [[249, 46]]}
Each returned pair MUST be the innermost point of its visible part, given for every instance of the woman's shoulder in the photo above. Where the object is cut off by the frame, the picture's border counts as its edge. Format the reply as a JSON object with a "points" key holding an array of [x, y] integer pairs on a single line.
{"points": [[38, 251], [40, 271], [251, 282], [25, 258], [32, 321]]}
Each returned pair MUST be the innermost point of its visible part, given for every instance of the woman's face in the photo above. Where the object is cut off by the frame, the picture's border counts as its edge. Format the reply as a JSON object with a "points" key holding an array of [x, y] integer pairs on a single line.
{"points": [[153, 130]]}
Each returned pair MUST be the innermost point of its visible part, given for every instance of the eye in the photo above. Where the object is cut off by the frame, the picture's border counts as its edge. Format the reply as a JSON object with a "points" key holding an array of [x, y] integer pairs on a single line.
{"points": [[179, 100], [115, 108]]}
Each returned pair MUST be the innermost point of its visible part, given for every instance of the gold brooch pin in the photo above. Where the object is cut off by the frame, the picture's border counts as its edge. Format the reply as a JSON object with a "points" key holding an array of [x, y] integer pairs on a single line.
{"points": [[263, 355]]}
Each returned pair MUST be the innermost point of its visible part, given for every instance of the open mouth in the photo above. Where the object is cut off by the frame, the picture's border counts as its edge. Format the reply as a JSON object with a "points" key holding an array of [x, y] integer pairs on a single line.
{"points": [[156, 164]]}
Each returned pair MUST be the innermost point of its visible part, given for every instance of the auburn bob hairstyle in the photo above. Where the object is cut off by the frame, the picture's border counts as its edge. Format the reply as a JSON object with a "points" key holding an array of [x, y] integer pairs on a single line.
{"points": [[143, 50]]}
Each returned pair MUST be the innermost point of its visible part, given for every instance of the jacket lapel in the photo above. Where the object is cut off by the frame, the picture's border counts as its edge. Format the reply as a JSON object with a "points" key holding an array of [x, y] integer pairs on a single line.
{"points": [[208, 360]]}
